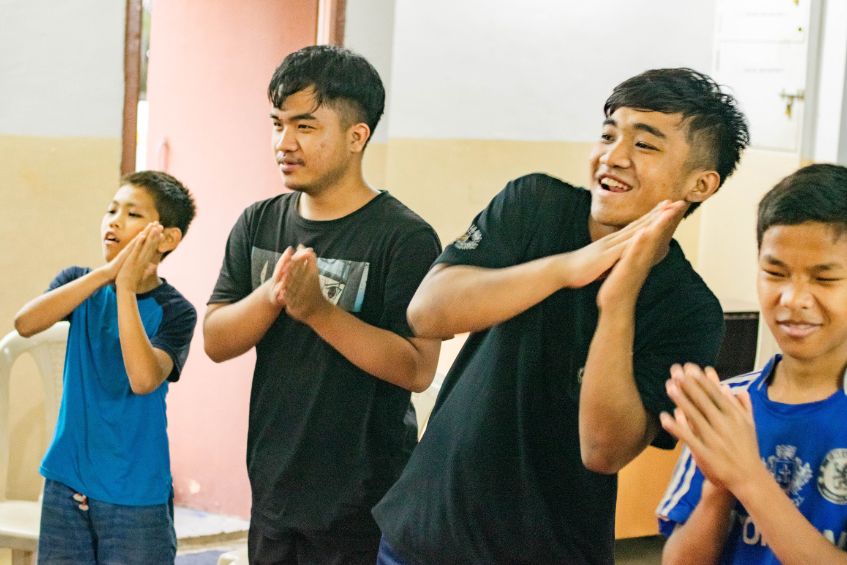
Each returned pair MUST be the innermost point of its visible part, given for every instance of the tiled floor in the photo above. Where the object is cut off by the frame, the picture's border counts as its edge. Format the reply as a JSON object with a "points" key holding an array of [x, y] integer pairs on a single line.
{"points": [[634, 551]]}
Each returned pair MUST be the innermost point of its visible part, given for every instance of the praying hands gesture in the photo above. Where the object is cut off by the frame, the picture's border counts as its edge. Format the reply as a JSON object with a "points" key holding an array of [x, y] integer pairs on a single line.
{"points": [[137, 261], [296, 284], [716, 425], [719, 429]]}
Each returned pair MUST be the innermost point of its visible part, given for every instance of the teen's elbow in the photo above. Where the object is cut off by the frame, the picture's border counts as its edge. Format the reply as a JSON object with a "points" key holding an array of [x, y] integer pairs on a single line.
{"points": [[214, 352], [25, 327], [143, 387], [601, 460], [426, 319], [421, 381]]}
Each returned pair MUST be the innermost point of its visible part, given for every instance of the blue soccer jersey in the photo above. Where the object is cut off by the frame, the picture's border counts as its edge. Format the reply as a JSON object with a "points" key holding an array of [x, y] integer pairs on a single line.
{"points": [[805, 448], [111, 444]]}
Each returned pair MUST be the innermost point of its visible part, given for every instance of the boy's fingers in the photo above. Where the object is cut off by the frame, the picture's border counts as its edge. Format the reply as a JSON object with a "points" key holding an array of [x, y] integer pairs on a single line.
{"points": [[712, 375], [695, 418], [282, 263]]}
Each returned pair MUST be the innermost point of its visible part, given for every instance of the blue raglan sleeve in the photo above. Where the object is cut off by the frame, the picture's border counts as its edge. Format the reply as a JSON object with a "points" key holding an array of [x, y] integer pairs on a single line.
{"points": [[64, 277], [175, 333], [682, 494]]}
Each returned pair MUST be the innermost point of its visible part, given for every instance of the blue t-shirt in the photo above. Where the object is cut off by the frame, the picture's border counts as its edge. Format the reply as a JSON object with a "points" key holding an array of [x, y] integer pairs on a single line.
{"points": [[111, 444], [805, 448]]}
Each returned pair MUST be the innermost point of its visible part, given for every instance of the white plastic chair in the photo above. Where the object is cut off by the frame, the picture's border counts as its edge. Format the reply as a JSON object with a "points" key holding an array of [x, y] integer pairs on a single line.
{"points": [[19, 519]]}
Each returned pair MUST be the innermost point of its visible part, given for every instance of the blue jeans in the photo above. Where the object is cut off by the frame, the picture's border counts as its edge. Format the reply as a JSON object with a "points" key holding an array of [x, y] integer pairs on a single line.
{"points": [[387, 555], [105, 533]]}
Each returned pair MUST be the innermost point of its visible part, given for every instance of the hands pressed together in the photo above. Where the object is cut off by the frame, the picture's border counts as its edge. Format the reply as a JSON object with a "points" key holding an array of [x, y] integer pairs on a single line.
{"points": [[626, 256], [715, 424], [296, 284], [137, 261]]}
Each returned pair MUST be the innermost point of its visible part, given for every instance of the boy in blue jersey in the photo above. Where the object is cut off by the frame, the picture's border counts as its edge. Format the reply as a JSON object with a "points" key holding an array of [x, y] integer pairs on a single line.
{"points": [[763, 478], [108, 494]]}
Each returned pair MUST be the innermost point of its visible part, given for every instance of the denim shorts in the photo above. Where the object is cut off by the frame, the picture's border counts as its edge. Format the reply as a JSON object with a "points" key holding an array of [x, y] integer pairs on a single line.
{"points": [[105, 533]]}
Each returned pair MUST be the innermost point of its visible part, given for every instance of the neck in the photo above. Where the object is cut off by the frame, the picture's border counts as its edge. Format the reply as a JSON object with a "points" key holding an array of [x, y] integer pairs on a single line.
{"points": [[798, 381], [337, 200]]}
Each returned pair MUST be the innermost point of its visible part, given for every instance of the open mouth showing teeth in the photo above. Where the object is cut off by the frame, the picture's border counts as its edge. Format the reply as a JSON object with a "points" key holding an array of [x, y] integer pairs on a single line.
{"points": [[110, 237], [612, 185]]}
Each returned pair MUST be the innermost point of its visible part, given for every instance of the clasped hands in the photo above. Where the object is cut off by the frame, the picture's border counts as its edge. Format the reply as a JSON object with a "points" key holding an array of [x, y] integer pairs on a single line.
{"points": [[138, 260], [715, 424], [296, 284]]}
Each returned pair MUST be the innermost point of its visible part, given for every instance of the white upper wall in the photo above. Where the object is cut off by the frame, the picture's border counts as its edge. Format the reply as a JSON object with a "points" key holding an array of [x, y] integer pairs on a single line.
{"points": [[61, 68], [531, 70], [831, 122], [369, 31]]}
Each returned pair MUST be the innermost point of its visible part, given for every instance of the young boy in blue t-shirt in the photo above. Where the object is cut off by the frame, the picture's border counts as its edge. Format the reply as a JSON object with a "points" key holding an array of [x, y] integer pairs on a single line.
{"points": [[763, 478], [108, 493]]}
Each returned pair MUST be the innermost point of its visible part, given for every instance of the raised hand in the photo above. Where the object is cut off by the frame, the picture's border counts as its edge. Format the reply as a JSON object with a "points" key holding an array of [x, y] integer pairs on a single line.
{"points": [[275, 290], [716, 425], [642, 249], [585, 265], [112, 268], [140, 262]]}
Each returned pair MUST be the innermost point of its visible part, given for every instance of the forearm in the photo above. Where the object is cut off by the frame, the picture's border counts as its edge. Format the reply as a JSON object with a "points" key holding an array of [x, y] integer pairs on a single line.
{"points": [[45, 310], [458, 298], [230, 330], [787, 532], [701, 539], [409, 364], [614, 426], [145, 369]]}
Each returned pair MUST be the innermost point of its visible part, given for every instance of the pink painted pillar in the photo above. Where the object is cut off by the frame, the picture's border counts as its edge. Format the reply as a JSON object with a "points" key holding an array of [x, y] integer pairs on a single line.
{"points": [[209, 68]]}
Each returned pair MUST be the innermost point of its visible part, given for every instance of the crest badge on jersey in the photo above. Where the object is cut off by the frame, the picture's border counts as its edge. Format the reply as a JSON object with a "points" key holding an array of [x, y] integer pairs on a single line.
{"points": [[790, 472], [832, 477]]}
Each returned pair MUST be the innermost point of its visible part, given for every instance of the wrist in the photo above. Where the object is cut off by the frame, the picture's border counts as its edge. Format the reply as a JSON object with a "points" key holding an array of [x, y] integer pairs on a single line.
{"points": [[750, 486], [124, 288], [718, 497], [622, 307], [320, 315], [103, 275]]}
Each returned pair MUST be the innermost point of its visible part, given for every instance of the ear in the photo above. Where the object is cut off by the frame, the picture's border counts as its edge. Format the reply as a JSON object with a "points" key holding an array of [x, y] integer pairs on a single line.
{"points": [[170, 239], [704, 184], [358, 134]]}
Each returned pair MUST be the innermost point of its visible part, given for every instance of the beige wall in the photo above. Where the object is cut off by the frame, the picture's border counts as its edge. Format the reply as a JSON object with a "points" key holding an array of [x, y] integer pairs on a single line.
{"points": [[449, 181], [60, 127], [55, 191]]}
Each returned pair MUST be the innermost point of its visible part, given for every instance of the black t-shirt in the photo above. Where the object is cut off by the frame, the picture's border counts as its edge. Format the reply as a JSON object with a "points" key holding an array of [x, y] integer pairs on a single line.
{"points": [[498, 476], [326, 440]]}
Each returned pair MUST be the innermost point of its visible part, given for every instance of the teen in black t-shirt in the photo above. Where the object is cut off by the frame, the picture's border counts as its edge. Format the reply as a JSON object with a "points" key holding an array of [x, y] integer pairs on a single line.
{"points": [[579, 302], [318, 280]]}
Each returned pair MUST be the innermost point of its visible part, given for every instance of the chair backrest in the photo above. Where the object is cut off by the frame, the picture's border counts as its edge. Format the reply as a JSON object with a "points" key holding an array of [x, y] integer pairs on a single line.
{"points": [[48, 350]]}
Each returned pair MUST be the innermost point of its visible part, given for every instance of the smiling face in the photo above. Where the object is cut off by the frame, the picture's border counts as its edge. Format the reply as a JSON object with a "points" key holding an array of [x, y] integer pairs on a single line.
{"points": [[311, 143], [641, 159], [802, 285], [129, 212]]}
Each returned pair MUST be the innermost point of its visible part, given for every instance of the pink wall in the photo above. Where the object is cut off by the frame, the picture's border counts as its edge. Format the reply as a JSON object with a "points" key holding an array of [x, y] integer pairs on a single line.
{"points": [[209, 69]]}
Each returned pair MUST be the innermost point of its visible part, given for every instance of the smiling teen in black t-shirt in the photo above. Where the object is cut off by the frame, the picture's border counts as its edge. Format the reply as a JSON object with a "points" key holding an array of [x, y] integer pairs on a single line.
{"points": [[562, 379]]}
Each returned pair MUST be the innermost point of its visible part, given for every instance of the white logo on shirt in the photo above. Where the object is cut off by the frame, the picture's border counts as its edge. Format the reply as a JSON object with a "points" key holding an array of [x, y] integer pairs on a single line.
{"points": [[789, 471], [832, 476], [470, 239]]}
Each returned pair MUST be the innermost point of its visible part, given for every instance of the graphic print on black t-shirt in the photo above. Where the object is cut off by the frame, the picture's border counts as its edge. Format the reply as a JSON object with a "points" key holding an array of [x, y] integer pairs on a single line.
{"points": [[343, 282]]}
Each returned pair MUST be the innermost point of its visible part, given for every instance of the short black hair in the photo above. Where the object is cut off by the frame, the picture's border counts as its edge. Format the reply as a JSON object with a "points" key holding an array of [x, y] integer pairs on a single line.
{"points": [[339, 78], [173, 201], [815, 193], [717, 129]]}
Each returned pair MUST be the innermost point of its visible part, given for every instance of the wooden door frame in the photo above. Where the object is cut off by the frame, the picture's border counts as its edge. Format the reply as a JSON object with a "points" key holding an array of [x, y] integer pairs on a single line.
{"points": [[330, 28], [132, 82]]}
